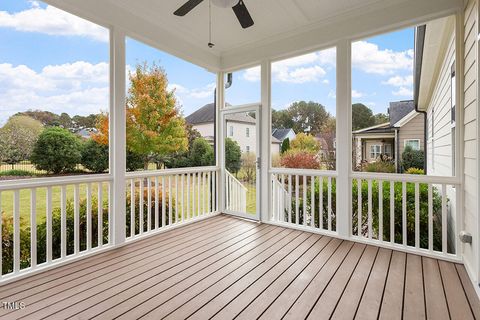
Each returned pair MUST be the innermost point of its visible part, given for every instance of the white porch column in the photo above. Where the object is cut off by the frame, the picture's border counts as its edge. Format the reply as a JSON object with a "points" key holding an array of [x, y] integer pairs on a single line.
{"points": [[265, 138], [117, 135], [220, 143], [344, 142]]}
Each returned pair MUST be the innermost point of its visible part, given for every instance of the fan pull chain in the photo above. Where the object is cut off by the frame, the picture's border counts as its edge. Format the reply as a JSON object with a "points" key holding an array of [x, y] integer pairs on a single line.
{"points": [[210, 44]]}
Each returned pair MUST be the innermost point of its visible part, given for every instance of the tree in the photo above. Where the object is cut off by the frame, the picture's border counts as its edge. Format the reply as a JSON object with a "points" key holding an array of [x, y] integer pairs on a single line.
{"points": [[95, 156], [285, 145], [305, 142], [381, 118], [233, 156], [362, 117], [65, 121], [249, 165], [201, 154], [57, 150], [413, 158], [47, 118], [301, 116], [18, 138], [300, 159], [281, 119]]}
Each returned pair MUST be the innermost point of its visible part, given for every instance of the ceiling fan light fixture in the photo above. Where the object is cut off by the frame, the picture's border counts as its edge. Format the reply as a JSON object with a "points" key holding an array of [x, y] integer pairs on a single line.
{"points": [[225, 3]]}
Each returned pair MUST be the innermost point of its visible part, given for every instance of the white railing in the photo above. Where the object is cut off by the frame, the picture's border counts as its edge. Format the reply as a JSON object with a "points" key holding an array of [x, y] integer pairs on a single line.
{"points": [[413, 213], [235, 194], [71, 220], [304, 198], [165, 198]]}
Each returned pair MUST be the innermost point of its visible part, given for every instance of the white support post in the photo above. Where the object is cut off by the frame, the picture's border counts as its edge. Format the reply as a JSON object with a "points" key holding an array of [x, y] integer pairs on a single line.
{"points": [[265, 138], [344, 142], [117, 135], [220, 143]]}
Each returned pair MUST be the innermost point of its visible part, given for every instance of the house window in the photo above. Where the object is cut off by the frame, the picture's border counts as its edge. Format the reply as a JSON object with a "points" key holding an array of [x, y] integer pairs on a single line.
{"points": [[231, 131], [248, 148], [247, 132], [387, 150], [375, 151], [414, 143]]}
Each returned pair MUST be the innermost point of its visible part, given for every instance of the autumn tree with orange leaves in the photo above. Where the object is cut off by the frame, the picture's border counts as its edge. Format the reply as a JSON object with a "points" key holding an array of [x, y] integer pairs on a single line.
{"points": [[155, 126]]}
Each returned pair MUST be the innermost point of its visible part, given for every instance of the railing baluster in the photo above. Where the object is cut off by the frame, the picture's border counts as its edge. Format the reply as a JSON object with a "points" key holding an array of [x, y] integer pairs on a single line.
{"points": [[312, 203], [157, 204], [320, 200], [149, 204], [76, 218], [430, 217], [304, 201], [204, 198], [140, 206], [444, 219], [188, 196], [214, 192], [1, 235], [380, 210], [284, 199], [289, 198], [370, 231], [33, 229], [100, 215], [392, 212], [329, 213], [176, 198], [359, 207], [297, 204], [183, 196], [16, 231], [49, 224], [163, 202], [170, 204], [404, 213], [417, 215], [198, 194], [89, 216], [132, 207]]}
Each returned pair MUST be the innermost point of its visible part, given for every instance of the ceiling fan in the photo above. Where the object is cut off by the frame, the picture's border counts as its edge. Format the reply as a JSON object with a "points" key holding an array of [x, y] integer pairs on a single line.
{"points": [[238, 7]]}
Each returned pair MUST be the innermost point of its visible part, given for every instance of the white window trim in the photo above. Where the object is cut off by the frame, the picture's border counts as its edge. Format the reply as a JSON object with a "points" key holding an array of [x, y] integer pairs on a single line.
{"points": [[375, 153]]}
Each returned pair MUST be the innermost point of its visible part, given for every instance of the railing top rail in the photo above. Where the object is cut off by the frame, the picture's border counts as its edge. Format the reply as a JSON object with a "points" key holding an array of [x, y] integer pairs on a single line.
{"points": [[405, 178], [56, 181], [229, 174], [304, 172], [168, 172]]}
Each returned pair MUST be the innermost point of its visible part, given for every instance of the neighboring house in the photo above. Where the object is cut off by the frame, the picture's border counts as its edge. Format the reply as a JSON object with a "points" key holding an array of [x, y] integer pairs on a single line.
{"points": [[435, 85], [239, 127], [282, 134], [405, 128], [328, 146], [86, 133]]}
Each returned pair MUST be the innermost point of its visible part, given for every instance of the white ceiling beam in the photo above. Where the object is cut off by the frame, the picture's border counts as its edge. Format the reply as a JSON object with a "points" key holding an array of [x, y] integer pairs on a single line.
{"points": [[360, 23]]}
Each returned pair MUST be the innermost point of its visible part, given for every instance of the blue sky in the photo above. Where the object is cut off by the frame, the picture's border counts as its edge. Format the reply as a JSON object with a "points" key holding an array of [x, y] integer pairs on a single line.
{"points": [[61, 65]]}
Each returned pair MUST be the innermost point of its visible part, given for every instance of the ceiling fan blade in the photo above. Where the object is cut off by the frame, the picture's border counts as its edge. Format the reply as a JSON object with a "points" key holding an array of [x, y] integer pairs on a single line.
{"points": [[243, 15], [187, 7]]}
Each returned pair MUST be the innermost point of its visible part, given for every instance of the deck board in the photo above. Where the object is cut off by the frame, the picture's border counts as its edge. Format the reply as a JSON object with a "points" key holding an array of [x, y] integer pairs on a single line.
{"points": [[226, 268]]}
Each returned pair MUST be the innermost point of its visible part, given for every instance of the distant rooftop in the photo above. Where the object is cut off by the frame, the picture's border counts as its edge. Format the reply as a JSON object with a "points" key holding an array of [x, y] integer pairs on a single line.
{"points": [[206, 114]]}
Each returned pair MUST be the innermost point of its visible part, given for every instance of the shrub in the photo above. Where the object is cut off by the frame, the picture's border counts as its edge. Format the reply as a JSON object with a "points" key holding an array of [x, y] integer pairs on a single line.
{"points": [[201, 153], [299, 159], [413, 158], [379, 166], [415, 171], [285, 145], [233, 156], [305, 142], [95, 156], [57, 150], [17, 173], [134, 161]]}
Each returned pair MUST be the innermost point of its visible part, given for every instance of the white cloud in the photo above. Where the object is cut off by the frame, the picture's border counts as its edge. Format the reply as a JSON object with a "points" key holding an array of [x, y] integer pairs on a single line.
{"points": [[252, 74], [300, 75], [332, 94], [357, 94], [52, 21], [404, 92], [369, 58], [182, 92], [325, 81], [399, 81], [75, 88]]}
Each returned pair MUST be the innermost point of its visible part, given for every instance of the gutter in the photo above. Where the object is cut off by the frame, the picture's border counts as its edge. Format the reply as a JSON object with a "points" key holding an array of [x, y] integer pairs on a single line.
{"points": [[419, 46]]}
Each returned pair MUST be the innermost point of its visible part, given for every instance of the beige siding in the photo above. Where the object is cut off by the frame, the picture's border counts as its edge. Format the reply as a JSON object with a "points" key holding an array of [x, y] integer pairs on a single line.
{"points": [[412, 130], [439, 148], [471, 136]]}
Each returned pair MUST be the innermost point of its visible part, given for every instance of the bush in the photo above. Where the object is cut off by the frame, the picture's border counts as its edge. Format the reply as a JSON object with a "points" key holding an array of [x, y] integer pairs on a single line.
{"points": [[95, 156], [285, 145], [201, 153], [415, 171], [413, 158], [233, 156], [305, 142], [134, 161], [299, 159], [379, 166], [57, 150], [17, 173]]}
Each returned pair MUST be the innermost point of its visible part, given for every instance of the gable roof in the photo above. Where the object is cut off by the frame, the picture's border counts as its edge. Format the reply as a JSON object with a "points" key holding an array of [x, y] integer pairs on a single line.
{"points": [[400, 109], [206, 114], [281, 134]]}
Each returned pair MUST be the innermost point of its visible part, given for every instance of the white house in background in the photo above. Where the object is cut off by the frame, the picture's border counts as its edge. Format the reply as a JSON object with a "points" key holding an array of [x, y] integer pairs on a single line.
{"points": [[241, 127], [435, 85]]}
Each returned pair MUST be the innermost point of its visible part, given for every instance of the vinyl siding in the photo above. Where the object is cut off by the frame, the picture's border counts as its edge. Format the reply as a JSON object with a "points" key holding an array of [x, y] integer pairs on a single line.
{"points": [[471, 136], [412, 130]]}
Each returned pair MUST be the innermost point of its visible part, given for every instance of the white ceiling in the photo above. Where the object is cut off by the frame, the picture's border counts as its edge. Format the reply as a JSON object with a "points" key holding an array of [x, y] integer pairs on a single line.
{"points": [[282, 27]]}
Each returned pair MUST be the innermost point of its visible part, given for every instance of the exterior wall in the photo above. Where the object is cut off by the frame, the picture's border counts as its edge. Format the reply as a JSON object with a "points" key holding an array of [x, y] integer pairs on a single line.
{"points": [[412, 130], [471, 137], [205, 129], [440, 156]]}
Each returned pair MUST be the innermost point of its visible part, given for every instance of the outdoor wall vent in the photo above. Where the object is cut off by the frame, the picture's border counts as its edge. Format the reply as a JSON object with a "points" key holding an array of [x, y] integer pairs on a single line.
{"points": [[465, 237]]}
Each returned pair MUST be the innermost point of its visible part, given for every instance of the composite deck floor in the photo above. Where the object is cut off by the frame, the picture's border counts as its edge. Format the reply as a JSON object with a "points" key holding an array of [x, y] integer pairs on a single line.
{"points": [[225, 268]]}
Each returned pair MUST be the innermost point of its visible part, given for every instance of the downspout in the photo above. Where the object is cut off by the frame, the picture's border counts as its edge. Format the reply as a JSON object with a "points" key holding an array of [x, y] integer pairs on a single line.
{"points": [[419, 45], [228, 84]]}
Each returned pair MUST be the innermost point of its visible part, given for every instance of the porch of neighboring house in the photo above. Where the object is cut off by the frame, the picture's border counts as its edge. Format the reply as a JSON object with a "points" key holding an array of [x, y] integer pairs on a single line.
{"points": [[226, 268]]}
